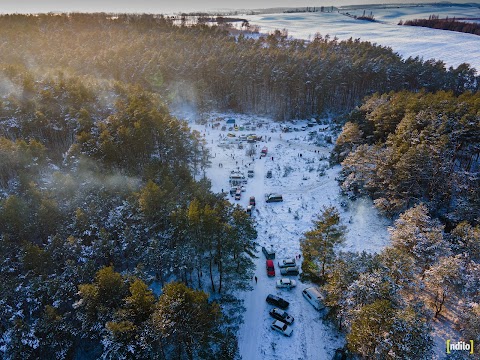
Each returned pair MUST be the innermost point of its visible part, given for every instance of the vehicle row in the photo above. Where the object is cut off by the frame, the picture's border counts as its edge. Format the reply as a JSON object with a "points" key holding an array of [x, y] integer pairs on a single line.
{"points": [[283, 320]]}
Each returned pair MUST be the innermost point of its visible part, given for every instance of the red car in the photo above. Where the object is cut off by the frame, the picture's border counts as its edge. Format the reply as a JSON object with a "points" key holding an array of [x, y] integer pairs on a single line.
{"points": [[270, 268]]}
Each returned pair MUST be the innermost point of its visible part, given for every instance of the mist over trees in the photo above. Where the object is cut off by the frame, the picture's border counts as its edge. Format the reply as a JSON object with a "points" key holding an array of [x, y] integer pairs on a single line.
{"points": [[205, 65]]}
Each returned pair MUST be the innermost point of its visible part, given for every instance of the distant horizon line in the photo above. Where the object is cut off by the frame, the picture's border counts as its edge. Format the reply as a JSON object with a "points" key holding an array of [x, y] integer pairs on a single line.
{"points": [[239, 10]]}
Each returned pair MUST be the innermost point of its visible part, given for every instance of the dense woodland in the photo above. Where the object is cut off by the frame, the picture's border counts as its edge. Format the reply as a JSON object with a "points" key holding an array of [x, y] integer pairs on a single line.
{"points": [[208, 67], [418, 156], [452, 24], [102, 194]]}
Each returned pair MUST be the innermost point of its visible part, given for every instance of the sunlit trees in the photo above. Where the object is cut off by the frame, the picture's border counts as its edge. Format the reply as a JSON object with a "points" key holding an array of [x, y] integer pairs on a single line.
{"points": [[409, 153], [318, 245], [416, 233]]}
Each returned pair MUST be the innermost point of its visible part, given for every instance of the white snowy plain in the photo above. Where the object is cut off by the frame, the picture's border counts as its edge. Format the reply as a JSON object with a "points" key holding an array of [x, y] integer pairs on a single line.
{"points": [[453, 48], [280, 227]]}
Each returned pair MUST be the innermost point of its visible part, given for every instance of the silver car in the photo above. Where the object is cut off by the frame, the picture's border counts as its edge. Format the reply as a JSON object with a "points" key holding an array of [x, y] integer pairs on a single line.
{"points": [[282, 328], [286, 283], [281, 315], [286, 263]]}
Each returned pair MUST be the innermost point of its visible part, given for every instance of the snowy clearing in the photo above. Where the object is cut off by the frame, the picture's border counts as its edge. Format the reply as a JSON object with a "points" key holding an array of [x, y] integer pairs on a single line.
{"points": [[451, 47], [280, 226]]}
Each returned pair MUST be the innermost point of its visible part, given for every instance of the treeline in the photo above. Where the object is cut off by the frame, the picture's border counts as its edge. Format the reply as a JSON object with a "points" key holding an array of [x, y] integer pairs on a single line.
{"points": [[418, 156], [405, 148], [434, 22], [98, 207], [385, 303], [204, 65]]}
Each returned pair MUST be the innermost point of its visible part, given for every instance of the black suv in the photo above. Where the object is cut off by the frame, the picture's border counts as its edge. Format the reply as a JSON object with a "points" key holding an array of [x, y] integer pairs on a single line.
{"points": [[277, 301], [292, 270], [269, 254]]}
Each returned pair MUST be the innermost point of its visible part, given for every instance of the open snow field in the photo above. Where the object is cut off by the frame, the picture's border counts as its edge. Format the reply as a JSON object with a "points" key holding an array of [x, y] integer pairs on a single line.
{"points": [[453, 48], [280, 226]]}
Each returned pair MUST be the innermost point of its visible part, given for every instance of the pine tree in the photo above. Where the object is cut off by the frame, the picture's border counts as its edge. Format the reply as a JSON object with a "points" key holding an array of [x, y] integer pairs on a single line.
{"points": [[416, 233], [318, 245], [185, 318]]}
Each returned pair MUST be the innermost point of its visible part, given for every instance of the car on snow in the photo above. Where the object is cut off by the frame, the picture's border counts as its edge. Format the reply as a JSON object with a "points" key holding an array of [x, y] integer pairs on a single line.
{"points": [[250, 173], [277, 301], [286, 263], [249, 210], [233, 191], [314, 297], [273, 198], [243, 189], [270, 268], [269, 174], [291, 270], [282, 328], [281, 315], [269, 254], [286, 283], [238, 194], [252, 201]]}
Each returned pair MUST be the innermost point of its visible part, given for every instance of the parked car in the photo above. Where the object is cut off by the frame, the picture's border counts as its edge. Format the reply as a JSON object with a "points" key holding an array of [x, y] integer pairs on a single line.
{"points": [[252, 201], [282, 328], [286, 283], [264, 151], [277, 301], [238, 194], [270, 268], [281, 315], [269, 254], [250, 173], [286, 263], [291, 270], [314, 297], [243, 188], [249, 210], [269, 174], [273, 198], [233, 191]]}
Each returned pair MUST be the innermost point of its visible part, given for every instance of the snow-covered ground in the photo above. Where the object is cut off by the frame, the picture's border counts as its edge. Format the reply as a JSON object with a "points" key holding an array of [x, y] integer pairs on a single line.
{"points": [[451, 47], [280, 226]]}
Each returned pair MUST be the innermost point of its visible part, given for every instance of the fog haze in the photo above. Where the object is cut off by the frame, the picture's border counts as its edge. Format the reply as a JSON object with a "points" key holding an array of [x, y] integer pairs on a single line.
{"points": [[162, 6]]}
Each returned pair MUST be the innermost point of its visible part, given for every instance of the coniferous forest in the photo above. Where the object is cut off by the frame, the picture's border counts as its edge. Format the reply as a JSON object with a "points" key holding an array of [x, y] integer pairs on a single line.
{"points": [[453, 24], [102, 195]]}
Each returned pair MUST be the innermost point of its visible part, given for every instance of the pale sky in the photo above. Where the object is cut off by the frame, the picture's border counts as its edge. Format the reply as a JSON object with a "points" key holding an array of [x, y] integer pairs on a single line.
{"points": [[165, 6]]}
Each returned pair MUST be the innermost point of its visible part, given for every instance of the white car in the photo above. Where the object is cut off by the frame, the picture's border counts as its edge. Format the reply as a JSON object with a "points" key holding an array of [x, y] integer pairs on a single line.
{"points": [[286, 263], [282, 328], [285, 283]]}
